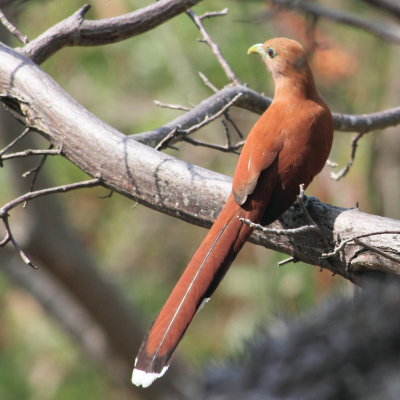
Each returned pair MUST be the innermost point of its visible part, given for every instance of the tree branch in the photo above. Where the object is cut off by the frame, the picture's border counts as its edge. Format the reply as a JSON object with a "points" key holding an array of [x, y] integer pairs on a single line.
{"points": [[166, 184], [31, 152], [76, 31], [43, 192], [386, 31], [390, 6], [9, 237], [255, 102], [13, 142], [198, 20], [12, 29]]}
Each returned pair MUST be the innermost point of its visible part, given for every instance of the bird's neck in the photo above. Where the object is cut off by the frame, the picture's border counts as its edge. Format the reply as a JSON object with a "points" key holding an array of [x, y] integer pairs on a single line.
{"points": [[298, 84]]}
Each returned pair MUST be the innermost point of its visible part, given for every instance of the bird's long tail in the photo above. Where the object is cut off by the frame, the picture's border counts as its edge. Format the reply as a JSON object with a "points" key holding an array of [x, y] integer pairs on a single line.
{"points": [[199, 280]]}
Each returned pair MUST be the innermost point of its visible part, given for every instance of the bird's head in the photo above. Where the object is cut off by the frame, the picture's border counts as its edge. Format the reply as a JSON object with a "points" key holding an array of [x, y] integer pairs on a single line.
{"points": [[282, 56]]}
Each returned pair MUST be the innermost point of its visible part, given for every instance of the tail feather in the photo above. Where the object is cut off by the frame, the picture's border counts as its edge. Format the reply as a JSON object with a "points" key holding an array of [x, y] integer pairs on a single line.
{"points": [[199, 280]]}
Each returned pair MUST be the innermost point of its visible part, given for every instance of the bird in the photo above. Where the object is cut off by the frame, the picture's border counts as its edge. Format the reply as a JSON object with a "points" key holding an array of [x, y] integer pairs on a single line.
{"points": [[287, 146]]}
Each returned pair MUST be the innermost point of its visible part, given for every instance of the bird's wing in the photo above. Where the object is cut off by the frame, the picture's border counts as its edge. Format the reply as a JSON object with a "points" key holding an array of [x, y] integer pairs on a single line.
{"points": [[263, 144]]}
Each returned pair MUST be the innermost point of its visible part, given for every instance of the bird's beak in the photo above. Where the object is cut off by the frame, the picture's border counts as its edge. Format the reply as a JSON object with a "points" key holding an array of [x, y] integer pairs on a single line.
{"points": [[256, 49]]}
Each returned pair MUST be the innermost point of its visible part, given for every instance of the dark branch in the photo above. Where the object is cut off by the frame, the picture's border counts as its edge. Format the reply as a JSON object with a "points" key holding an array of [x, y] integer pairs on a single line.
{"points": [[384, 30], [344, 171], [390, 6], [227, 148], [9, 237]]}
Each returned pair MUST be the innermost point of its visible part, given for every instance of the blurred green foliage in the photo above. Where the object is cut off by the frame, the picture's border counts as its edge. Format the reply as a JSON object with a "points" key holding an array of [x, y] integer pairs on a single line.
{"points": [[119, 83]]}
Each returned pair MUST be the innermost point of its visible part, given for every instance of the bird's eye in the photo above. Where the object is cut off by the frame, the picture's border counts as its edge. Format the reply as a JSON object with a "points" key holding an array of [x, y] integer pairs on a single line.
{"points": [[270, 52]]}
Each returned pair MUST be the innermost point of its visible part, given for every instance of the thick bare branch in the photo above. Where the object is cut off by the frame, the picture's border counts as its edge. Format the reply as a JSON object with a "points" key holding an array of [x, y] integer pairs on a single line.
{"points": [[253, 101], [76, 31], [165, 183], [249, 100], [367, 122]]}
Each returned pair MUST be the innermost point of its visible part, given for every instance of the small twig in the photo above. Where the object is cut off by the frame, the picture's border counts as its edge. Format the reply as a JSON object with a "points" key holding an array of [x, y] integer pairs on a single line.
{"points": [[12, 143], [40, 164], [7, 235], [134, 205], [300, 202], [311, 227], [287, 261], [375, 250], [31, 152], [331, 164], [207, 82], [12, 29], [225, 148], [35, 170], [106, 196], [171, 106], [210, 14], [213, 46], [343, 172], [235, 127], [344, 243], [10, 238], [227, 133], [207, 119], [213, 117], [288, 231], [311, 222], [166, 139], [164, 142], [38, 193]]}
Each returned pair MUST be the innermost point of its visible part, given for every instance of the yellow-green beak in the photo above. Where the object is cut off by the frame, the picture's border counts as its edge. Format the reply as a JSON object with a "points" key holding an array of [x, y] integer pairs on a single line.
{"points": [[256, 49]]}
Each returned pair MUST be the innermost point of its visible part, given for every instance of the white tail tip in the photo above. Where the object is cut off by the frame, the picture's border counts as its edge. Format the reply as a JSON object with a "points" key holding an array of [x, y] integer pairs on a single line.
{"points": [[145, 379]]}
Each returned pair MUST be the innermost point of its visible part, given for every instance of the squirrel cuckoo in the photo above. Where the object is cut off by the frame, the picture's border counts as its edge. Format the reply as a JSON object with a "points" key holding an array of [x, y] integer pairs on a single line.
{"points": [[286, 147]]}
